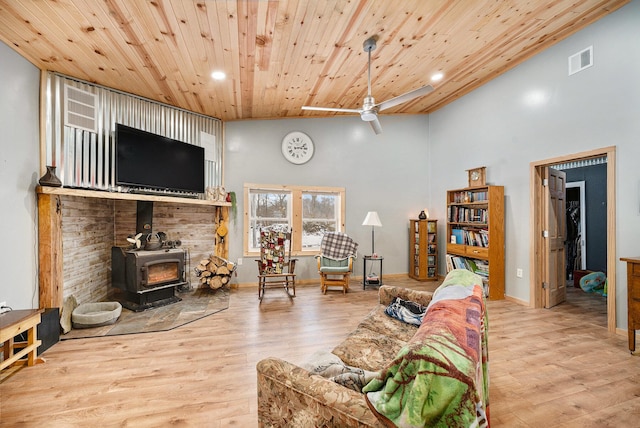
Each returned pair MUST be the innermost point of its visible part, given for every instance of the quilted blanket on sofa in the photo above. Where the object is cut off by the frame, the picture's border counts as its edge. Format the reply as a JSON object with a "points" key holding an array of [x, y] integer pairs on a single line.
{"points": [[439, 379]]}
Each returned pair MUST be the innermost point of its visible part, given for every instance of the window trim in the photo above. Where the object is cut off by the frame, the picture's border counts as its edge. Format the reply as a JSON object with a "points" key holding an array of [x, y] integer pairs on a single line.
{"points": [[296, 212]]}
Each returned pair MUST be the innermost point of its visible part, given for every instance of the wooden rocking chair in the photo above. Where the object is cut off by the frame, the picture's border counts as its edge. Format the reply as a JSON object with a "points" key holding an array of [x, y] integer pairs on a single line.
{"points": [[275, 266]]}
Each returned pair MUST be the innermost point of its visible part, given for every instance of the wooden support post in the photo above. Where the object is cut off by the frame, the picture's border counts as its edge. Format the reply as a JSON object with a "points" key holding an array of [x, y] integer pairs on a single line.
{"points": [[50, 250], [222, 245]]}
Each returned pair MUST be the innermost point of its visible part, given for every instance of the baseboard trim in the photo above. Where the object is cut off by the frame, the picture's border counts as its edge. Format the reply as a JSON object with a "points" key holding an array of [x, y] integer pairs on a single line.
{"points": [[355, 280], [517, 301]]}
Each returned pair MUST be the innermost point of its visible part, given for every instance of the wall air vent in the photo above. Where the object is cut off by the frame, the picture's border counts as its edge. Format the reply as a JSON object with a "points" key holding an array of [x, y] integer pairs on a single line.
{"points": [[581, 60], [80, 109]]}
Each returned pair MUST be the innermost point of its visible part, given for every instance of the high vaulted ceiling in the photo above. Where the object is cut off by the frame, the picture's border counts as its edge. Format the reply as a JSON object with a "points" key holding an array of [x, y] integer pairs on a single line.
{"points": [[281, 55]]}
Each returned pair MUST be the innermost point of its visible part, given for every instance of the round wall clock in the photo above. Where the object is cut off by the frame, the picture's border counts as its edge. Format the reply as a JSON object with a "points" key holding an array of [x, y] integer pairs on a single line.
{"points": [[297, 147]]}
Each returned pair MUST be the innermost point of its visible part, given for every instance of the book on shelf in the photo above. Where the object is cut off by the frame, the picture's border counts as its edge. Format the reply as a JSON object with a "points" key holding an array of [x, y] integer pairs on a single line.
{"points": [[480, 267], [470, 236], [449, 262], [467, 196], [458, 214], [459, 234], [477, 238]]}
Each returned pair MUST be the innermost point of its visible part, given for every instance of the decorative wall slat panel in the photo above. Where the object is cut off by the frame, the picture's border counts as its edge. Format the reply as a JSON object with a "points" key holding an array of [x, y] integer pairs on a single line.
{"points": [[87, 225], [87, 160]]}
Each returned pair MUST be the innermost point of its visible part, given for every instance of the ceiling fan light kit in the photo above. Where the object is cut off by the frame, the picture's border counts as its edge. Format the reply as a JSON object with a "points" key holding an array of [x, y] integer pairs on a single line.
{"points": [[368, 116], [369, 110]]}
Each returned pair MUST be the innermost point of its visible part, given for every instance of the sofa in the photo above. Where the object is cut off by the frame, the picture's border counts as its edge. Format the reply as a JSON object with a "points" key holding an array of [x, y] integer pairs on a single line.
{"points": [[434, 374]]}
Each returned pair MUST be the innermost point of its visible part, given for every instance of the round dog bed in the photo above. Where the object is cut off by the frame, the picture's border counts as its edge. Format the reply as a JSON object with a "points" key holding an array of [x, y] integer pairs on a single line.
{"points": [[97, 314]]}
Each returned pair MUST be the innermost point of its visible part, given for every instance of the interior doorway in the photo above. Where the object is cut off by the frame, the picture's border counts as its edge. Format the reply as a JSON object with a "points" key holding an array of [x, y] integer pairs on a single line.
{"points": [[538, 261]]}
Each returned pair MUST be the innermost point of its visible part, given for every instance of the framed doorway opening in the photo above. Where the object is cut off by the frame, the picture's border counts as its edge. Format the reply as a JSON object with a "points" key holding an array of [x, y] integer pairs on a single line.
{"points": [[537, 259]]}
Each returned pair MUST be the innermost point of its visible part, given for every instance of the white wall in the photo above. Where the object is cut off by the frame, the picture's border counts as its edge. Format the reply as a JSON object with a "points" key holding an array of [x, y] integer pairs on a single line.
{"points": [[537, 112], [19, 173], [384, 173]]}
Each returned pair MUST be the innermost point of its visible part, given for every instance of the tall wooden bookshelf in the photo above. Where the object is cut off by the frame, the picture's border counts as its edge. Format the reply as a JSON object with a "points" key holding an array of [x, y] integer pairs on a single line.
{"points": [[423, 250], [475, 217]]}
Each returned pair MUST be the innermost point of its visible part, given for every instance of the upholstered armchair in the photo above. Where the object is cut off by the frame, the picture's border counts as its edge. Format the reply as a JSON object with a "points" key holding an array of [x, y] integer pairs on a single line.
{"points": [[335, 261]]}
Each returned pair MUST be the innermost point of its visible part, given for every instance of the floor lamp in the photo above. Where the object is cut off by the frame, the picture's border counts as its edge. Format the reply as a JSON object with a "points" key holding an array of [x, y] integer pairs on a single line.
{"points": [[372, 220]]}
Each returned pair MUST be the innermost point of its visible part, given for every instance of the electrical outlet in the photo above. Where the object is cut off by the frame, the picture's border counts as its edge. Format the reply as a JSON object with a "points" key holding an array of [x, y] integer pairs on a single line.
{"points": [[240, 261], [519, 273]]}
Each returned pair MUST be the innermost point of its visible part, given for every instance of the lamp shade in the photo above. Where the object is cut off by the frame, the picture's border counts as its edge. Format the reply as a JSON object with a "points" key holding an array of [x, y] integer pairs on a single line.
{"points": [[372, 219]]}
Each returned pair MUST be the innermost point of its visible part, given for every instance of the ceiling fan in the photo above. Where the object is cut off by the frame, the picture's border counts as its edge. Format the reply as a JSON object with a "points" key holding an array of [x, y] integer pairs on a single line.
{"points": [[369, 110]]}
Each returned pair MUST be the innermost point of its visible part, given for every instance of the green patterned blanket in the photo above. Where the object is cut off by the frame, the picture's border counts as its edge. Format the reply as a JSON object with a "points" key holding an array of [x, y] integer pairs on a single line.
{"points": [[440, 378]]}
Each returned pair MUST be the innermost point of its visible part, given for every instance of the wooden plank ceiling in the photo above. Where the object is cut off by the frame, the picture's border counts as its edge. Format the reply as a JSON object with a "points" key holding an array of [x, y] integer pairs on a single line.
{"points": [[281, 55]]}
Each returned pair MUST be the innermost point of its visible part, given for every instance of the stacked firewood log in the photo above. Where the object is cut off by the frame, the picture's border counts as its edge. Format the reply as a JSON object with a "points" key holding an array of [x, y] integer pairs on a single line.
{"points": [[214, 272]]}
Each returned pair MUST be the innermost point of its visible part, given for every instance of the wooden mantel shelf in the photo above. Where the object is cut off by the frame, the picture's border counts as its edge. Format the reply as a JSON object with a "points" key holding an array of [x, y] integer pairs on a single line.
{"points": [[125, 196]]}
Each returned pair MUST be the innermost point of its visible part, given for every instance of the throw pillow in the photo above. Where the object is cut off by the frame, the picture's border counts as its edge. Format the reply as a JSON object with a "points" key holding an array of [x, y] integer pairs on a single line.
{"points": [[406, 311]]}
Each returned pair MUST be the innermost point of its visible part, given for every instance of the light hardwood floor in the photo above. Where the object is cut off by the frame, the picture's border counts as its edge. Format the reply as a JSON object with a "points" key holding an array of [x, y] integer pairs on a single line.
{"points": [[548, 368]]}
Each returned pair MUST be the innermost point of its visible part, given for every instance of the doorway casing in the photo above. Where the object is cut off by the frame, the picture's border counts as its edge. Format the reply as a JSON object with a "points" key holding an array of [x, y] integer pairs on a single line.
{"points": [[536, 296]]}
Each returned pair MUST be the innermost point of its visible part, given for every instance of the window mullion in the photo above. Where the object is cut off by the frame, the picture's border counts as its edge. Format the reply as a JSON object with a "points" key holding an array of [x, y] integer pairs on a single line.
{"points": [[296, 219]]}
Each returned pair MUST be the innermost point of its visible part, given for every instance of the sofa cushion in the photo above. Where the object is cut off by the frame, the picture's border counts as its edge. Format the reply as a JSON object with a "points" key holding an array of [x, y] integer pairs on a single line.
{"points": [[378, 338], [388, 293], [368, 349], [377, 320], [290, 396]]}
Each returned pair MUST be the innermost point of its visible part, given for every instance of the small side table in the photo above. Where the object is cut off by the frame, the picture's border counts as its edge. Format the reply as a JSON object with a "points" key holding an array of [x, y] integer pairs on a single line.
{"points": [[13, 323], [366, 281]]}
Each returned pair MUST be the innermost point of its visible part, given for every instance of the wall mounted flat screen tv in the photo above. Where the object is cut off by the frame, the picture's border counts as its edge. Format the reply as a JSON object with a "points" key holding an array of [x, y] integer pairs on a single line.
{"points": [[146, 160]]}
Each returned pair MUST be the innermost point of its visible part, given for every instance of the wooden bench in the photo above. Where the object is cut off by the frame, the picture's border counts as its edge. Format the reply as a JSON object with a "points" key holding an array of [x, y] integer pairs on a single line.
{"points": [[13, 323]]}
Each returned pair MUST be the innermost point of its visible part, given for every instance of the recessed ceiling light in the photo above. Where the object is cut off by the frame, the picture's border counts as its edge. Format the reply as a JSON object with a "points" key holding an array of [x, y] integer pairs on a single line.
{"points": [[437, 76], [218, 75]]}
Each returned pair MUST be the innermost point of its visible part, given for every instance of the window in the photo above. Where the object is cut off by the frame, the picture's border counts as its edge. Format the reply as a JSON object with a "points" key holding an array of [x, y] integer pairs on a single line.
{"points": [[267, 209], [320, 214], [309, 212]]}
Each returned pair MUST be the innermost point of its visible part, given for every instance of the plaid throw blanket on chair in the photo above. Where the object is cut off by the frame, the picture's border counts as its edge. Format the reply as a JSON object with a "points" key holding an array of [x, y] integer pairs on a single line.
{"points": [[337, 245]]}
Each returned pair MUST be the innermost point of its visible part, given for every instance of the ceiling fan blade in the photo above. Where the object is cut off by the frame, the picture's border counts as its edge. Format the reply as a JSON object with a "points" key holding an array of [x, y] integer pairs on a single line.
{"points": [[375, 125], [405, 97], [341, 110]]}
